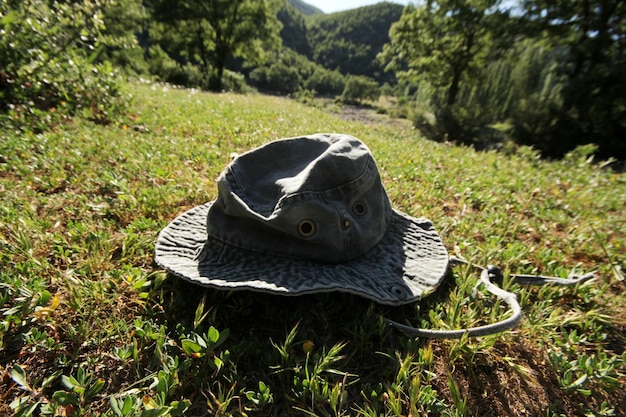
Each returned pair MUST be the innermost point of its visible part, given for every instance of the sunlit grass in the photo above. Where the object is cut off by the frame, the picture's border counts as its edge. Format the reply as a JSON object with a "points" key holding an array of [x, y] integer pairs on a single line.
{"points": [[88, 325]]}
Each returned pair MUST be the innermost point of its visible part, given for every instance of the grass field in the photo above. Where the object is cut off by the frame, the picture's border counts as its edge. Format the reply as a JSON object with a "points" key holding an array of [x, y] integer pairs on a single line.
{"points": [[89, 325]]}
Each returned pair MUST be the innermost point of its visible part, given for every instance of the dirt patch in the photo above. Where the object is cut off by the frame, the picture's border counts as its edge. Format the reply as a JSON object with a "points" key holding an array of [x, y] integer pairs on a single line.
{"points": [[510, 381], [368, 115]]}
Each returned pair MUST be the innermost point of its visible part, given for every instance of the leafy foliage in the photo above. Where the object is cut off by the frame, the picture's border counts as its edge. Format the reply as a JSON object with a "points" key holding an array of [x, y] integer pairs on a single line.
{"points": [[304, 8], [48, 51], [445, 45], [326, 82], [554, 88], [359, 88], [290, 72], [594, 95], [125, 21], [294, 30], [208, 34]]}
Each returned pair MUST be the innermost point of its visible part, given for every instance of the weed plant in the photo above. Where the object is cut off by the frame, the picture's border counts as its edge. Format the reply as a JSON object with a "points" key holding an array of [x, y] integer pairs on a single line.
{"points": [[90, 326]]}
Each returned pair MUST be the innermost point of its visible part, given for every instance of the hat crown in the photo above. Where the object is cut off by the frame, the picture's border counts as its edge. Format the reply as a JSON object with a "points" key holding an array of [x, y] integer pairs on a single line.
{"points": [[316, 197]]}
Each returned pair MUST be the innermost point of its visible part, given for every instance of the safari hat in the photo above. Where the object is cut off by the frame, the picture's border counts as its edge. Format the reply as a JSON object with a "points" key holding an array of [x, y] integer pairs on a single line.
{"points": [[305, 215]]}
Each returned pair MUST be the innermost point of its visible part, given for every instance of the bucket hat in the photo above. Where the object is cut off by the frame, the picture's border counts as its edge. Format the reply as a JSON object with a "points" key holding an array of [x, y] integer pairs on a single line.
{"points": [[305, 215]]}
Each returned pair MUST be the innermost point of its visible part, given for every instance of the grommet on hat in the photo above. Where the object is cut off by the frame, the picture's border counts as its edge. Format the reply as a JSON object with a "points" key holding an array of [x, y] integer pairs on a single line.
{"points": [[305, 215]]}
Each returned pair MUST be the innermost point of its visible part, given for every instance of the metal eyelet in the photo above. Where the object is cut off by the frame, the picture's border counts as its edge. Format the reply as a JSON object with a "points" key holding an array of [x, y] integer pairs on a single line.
{"points": [[306, 228], [398, 292], [359, 208]]}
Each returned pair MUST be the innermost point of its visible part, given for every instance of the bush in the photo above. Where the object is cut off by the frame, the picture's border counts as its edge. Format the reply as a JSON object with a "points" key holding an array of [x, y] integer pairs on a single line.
{"points": [[124, 20], [283, 79], [466, 125], [278, 78], [235, 82], [359, 88], [160, 63], [48, 51], [258, 77], [326, 82], [290, 72]]}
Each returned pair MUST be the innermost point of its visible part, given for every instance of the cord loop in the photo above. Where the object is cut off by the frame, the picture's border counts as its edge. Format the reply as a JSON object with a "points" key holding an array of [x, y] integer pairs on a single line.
{"points": [[488, 274]]}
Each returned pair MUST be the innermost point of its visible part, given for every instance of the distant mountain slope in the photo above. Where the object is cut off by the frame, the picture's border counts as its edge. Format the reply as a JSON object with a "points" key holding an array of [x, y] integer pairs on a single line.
{"points": [[305, 8], [294, 31], [350, 40]]}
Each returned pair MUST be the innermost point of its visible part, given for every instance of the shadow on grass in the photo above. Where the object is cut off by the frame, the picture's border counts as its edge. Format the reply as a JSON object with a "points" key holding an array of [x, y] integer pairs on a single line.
{"points": [[325, 318], [258, 322], [513, 372]]}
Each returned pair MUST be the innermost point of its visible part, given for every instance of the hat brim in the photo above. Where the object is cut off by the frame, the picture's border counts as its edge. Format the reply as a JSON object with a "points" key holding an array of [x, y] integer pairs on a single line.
{"points": [[407, 264]]}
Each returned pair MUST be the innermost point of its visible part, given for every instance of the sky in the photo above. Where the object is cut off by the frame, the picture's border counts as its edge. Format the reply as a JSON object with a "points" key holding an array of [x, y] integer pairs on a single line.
{"points": [[331, 6]]}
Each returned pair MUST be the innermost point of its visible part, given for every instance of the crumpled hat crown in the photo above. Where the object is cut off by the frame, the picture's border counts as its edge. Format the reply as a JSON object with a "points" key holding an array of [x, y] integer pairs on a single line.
{"points": [[318, 198]]}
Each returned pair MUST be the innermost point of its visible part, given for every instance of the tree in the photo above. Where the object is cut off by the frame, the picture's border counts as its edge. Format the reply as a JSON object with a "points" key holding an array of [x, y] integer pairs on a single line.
{"points": [[444, 42], [124, 21], [593, 32], [48, 52], [326, 82], [214, 31], [277, 78], [442, 47]]}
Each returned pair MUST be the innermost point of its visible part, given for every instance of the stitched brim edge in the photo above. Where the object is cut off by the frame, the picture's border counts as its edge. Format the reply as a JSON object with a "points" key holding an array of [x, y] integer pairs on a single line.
{"points": [[407, 264]]}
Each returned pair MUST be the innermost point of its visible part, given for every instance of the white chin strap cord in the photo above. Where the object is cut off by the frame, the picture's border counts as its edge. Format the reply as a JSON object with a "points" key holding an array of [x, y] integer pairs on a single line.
{"points": [[486, 275]]}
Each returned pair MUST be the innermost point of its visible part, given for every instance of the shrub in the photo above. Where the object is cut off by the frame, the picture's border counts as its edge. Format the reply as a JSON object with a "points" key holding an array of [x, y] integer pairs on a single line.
{"points": [[326, 82], [466, 125], [359, 88], [48, 50], [283, 79], [235, 82], [125, 20], [160, 63], [278, 78]]}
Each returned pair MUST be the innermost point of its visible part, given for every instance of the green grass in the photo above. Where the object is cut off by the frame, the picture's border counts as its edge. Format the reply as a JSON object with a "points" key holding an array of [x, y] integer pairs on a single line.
{"points": [[89, 326]]}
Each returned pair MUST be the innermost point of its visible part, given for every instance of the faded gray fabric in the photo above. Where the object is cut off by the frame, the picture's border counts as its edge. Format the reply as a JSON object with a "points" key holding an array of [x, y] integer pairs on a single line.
{"points": [[266, 193], [305, 215]]}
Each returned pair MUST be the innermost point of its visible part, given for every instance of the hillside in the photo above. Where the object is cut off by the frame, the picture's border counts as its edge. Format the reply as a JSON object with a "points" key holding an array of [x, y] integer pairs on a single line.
{"points": [[350, 40], [304, 7], [347, 41], [89, 325], [294, 30]]}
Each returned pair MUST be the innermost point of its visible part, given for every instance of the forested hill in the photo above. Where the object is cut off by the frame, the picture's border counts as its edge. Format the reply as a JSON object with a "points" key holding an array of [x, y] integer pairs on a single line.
{"points": [[349, 41], [320, 53], [304, 8], [294, 30]]}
